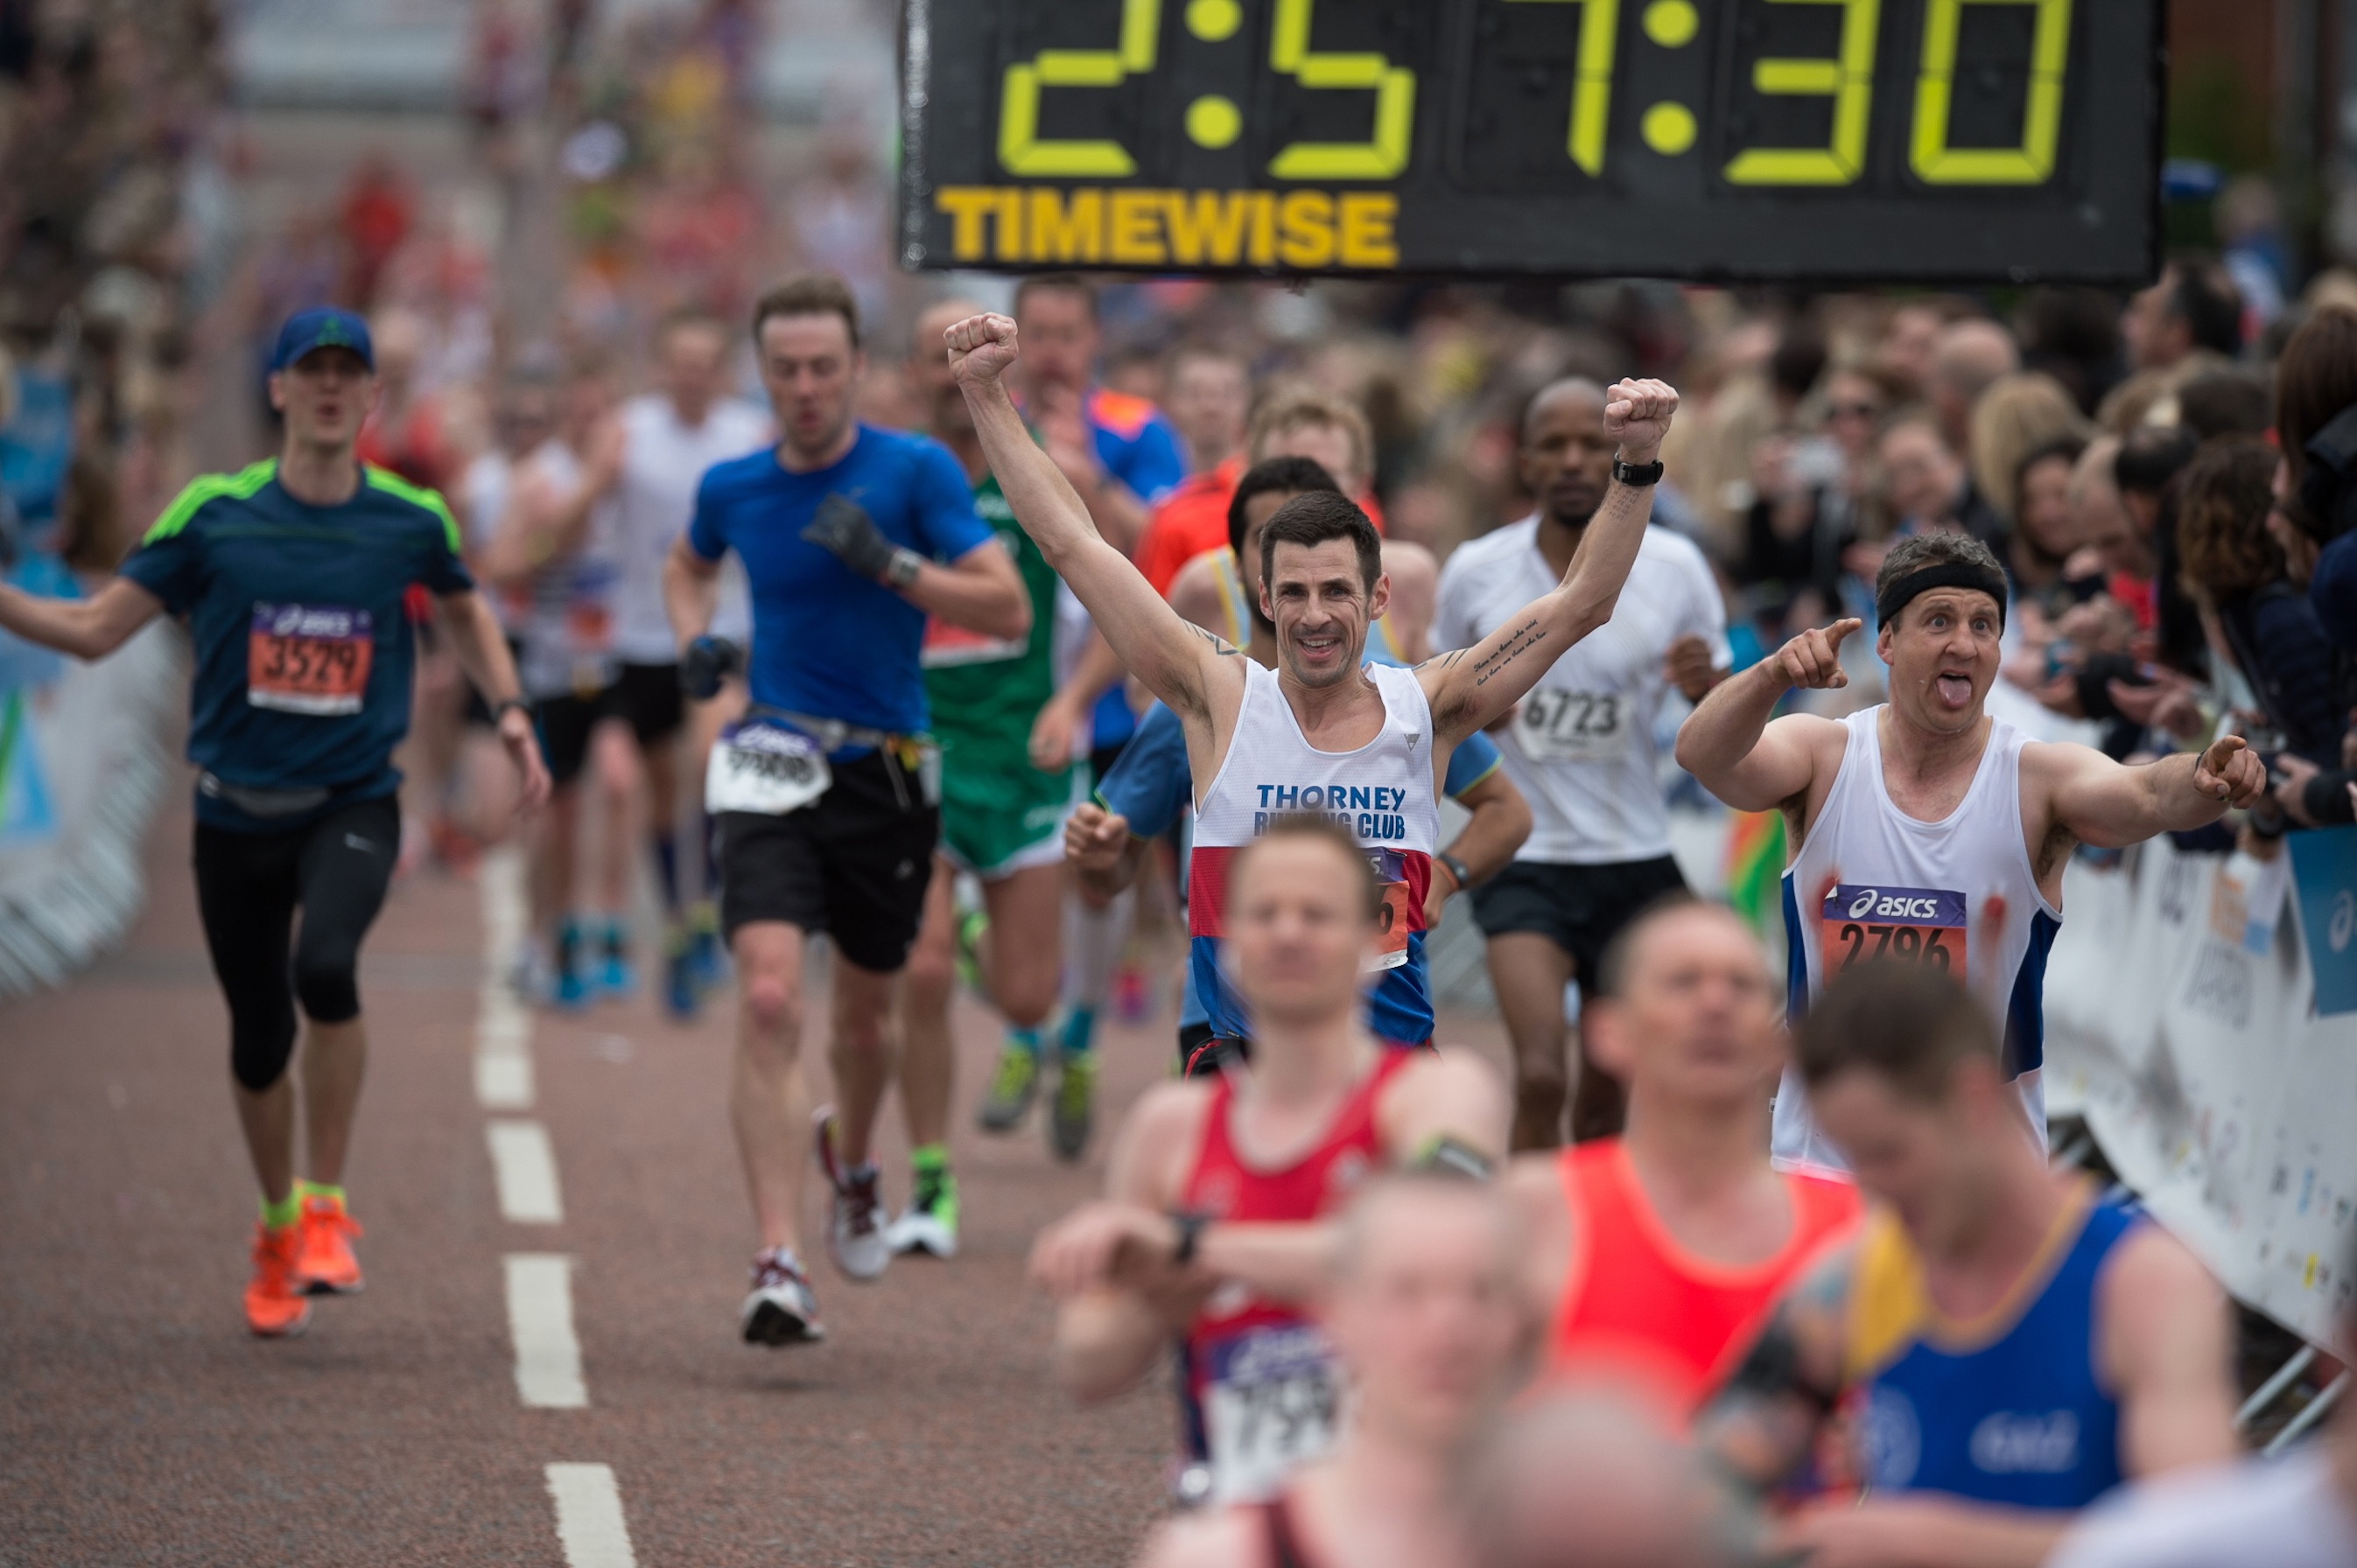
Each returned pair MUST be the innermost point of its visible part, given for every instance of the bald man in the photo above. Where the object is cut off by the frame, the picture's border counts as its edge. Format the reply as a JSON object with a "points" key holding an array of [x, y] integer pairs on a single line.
{"points": [[1587, 1480], [1966, 358], [1580, 749]]}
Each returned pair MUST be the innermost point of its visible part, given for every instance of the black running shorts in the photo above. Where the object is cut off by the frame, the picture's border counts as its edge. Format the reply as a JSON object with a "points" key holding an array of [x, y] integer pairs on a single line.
{"points": [[1580, 908], [854, 864], [645, 696]]}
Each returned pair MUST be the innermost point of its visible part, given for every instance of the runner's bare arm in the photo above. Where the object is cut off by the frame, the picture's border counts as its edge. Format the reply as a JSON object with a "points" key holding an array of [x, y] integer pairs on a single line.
{"points": [[1214, 1538], [532, 531], [1443, 1095], [87, 628], [2168, 1344], [1179, 663], [1733, 750], [1473, 686], [2111, 805], [1922, 1529], [1542, 1240], [1502, 820], [1112, 1316], [1102, 851], [980, 591], [482, 652], [1097, 671], [691, 591], [1763, 1424]]}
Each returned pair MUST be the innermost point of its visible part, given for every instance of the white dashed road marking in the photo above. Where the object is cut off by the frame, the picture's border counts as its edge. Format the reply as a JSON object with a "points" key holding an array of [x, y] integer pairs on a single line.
{"points": [[539, 1320], [589, 1523], [525, 1165]]}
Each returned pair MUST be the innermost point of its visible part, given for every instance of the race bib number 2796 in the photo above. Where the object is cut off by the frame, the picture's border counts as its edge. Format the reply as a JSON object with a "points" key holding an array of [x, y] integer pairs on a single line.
{"points": [[1922, 925]]}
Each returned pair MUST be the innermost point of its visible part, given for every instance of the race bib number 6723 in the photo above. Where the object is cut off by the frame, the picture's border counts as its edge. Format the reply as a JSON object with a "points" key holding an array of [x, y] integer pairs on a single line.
{"points": [[1922, 925]]}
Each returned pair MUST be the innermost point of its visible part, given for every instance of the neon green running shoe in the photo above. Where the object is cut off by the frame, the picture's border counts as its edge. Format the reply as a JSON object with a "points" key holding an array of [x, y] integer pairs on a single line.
{"points": [[970, 925], [929, 1223], [1012, 1088], [1071, 1112]]}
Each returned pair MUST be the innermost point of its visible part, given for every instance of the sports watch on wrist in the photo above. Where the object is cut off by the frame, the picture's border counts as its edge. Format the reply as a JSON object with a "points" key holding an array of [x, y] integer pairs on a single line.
{"points": [[1637, 473], [1457, 868], [904, 567]]}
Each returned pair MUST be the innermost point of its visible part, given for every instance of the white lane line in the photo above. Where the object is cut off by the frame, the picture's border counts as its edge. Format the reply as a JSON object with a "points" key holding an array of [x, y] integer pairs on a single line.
{"points": [[503, 1075], [540, 1319], [526, 1165], [589, 1523]]}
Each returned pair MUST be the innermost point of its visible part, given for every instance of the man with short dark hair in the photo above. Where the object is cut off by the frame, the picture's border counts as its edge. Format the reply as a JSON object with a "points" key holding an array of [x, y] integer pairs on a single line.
{"points": [[1924, 828], [291, 576], [827, 795], [1325, 731], [2006, 1347], [2192, 307]]}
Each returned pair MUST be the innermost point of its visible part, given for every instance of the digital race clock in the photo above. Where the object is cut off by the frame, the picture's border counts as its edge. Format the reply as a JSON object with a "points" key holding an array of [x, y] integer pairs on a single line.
{"points": [[1868, 140]]}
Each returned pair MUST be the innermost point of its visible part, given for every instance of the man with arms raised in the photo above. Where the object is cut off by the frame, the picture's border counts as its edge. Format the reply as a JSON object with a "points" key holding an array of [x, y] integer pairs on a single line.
{"points": [[1325, 731], [1580, 749], [1216, 1228], [1929, 829], [827, 797], [1421, 1314], [2006, 1346], [1142, 797], [1656, 1256]]}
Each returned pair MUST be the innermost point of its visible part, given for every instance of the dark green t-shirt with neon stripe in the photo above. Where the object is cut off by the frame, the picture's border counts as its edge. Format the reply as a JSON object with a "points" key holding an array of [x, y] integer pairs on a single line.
{"points": [[303, 652]]}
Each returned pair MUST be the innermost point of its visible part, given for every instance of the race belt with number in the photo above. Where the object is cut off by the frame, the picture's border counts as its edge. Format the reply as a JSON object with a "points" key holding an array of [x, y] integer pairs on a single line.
{"points": [[765, 769], [1272, 1402]]}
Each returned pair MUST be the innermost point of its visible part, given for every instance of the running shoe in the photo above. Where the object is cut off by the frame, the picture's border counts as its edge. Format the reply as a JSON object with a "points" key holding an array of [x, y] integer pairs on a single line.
{"points": [[929, 1223], [572, 989], [276, 1306], [1071, 1110], [682, 995], [855, 1221], [705, 953], [1012, 1088], [324, 1264], [617, 975], [971, 925], [781, 1310]]}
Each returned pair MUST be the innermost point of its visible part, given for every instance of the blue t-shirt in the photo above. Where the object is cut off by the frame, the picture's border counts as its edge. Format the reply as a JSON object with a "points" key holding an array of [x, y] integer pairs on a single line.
{"points": [[303, 647], [1152, 784], [1137, 446], [825, 642]]}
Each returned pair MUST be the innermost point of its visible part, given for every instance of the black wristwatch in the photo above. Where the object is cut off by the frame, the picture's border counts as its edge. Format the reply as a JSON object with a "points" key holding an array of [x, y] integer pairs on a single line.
{"points": [[1190, 1231], [1637, 473], [1457, 868]]}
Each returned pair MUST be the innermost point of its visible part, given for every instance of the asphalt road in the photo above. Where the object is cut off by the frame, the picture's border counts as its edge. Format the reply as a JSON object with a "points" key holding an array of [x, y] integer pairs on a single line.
{"points": [[140, 1423]]}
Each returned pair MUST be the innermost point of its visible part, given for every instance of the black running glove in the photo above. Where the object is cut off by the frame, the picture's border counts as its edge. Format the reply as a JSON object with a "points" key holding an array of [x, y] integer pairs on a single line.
{"points": [[843, 527], [708, 662]]}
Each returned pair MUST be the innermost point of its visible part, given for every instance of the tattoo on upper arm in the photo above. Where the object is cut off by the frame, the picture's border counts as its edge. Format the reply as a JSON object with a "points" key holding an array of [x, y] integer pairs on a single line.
{"points": [[1527, 636], [1220, 645], [1444, 661]]}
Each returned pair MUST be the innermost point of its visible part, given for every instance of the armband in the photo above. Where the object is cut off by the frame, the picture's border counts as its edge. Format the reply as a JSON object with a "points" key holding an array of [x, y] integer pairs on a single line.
{"points": [[1444, 1156]]}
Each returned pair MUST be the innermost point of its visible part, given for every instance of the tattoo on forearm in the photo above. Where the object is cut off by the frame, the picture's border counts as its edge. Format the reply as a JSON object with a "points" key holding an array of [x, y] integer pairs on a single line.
{"points": [[1526, 636]]}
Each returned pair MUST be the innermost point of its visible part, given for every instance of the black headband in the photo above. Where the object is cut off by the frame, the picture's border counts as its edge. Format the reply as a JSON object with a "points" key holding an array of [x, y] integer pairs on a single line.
{"points": [[1941, 575]]}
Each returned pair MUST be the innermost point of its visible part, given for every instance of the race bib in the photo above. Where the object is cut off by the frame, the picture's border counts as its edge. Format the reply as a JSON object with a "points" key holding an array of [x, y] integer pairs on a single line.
{"points": [[1272, 1402], [1392, 923], [1922, 925], [1556, 725], [761, 768], [309, 659]]}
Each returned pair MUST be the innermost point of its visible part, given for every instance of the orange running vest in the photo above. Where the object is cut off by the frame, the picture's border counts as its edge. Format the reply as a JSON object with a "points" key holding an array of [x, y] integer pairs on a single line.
{"points": [[1636, 1304]]}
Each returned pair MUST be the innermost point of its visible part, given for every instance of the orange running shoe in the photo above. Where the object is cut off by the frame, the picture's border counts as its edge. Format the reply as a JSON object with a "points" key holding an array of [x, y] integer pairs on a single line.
{"points": [[324, 1265], [275, 1304]]}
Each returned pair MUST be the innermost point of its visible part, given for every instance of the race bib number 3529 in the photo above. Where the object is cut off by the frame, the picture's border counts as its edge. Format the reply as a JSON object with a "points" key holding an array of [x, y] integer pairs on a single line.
{"points": [[1922, 925], [309, 659]]}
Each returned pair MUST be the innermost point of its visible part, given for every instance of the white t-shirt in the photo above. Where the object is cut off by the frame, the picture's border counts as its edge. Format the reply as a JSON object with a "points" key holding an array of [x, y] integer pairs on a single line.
{"points": [[483, 492], [663, 460], [2283, 1513], [1581, 749]]}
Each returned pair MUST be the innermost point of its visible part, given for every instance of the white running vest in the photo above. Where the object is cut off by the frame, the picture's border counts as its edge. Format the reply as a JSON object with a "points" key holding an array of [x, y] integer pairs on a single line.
{"points": [[1382, 792], [1921, 892]]}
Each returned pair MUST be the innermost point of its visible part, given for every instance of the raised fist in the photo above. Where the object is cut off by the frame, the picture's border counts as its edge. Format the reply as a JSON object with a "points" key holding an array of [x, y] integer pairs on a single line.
{"points": [[1637, 415], [981, 348]]}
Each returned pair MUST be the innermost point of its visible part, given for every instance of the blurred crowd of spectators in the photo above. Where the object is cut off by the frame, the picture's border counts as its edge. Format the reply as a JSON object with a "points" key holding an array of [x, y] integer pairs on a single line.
{"points": [[107, 229]]}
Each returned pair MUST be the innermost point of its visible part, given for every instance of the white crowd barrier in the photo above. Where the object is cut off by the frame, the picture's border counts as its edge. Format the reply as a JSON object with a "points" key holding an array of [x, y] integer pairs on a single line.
{"points": [[85, 756], [2202, 1071]]}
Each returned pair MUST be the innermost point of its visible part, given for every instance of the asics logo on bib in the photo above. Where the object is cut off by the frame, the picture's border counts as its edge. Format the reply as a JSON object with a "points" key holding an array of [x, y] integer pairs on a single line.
{"points": [[1893, 906], [2009, 1442]]}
